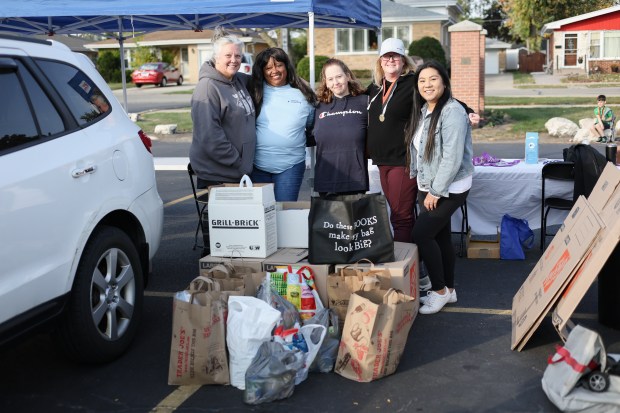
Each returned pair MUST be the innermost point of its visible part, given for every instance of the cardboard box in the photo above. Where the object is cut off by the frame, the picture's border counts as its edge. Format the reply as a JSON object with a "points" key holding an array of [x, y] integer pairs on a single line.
{"points": [[297, 257], [483, 248], [531, 148], [553, 271], [605, 198], [208, 262], [292, 221], [404, 272], [242, 220]]}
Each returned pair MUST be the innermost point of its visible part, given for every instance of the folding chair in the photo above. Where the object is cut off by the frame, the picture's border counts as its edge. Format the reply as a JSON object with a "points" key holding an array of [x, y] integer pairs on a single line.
{"points": [[560, 171], [201, 199], [464, 229], [610, 133]]}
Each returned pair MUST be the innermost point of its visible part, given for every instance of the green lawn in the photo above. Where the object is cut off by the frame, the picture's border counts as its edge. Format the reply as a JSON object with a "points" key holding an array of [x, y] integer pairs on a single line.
{"points": [[183, 120], [533, 119]]}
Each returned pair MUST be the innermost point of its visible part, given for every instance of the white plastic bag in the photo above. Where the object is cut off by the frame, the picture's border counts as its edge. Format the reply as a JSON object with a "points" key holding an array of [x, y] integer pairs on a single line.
{"points": [[250, 323], [313, 334], [563, 380]]}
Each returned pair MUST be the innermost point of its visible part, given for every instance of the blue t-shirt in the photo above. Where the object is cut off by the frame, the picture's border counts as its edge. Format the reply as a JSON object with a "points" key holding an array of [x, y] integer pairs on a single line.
{"points": [[281, 129]]}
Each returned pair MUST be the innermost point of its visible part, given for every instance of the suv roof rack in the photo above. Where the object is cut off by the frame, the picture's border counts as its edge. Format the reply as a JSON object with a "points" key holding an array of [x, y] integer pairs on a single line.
{"points": [[24, 39]]}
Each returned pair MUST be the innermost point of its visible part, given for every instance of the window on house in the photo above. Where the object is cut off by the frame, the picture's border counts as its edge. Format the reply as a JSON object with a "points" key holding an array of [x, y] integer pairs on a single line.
{"points": [[605, 45], [595, 45], [400, 32], [611, 48], [355, 40]]}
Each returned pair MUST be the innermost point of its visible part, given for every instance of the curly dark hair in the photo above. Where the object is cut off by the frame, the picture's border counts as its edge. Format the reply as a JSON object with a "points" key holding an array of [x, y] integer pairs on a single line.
{"points": [[325, 95], [258, 78], [418, 102]]}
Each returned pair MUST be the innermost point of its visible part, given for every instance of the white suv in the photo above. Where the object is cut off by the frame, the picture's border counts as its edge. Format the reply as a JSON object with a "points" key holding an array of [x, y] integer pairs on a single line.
{"points": [[80, 215]]}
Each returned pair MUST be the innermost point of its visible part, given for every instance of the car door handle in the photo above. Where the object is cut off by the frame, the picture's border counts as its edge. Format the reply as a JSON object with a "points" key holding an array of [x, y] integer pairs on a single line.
{"points": [[76, 173]]}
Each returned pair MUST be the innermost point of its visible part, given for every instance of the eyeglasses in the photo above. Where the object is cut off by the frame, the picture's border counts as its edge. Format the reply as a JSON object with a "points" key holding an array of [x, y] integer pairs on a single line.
{"points": [[391, 56]]}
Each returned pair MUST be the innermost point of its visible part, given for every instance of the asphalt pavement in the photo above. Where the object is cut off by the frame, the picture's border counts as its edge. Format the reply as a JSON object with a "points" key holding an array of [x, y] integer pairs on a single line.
{"points": [[458, 360]]}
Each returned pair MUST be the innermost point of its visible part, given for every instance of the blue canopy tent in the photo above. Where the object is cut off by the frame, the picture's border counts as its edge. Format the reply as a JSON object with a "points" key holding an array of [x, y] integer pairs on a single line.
{"points": [[118, 18]]}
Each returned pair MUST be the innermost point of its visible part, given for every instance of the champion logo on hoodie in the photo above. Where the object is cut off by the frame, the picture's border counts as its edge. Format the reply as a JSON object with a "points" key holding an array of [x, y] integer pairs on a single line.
{"points": [[339, 113]]}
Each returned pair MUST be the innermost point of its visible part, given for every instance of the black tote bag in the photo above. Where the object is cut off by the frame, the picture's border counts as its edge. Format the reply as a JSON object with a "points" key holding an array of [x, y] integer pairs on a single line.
{"points": [[344, 229]]}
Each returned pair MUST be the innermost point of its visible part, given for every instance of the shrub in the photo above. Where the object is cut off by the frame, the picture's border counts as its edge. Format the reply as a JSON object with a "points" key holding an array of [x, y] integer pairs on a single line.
{"points": [[109, 65], [614, 68], [428, 48], [303, 67], [362, 73], [493, 118]]}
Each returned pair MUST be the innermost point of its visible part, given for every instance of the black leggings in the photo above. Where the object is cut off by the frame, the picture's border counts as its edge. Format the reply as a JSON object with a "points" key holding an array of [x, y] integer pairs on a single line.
{"points": [[433, 235]]}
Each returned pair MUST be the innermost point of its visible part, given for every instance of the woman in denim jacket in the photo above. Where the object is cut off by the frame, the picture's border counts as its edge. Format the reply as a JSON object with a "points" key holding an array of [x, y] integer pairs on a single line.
{"points": [[440, 157]]}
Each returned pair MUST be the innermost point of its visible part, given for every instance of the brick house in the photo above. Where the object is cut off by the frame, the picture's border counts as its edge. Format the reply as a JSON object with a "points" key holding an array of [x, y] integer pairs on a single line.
{"points": [[587, 43], [406, 19], [190, 49]]}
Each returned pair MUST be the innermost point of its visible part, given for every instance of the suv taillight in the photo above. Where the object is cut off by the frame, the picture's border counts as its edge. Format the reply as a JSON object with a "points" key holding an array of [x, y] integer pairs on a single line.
{"points": [[145, 140]]}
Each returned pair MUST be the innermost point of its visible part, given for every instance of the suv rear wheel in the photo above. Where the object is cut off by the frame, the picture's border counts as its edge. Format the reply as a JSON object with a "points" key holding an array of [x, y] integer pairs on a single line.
{"points": [[105, 306]]}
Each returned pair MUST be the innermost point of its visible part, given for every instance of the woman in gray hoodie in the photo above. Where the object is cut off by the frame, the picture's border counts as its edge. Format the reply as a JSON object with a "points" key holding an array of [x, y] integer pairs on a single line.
{"points": [[224, 137]]}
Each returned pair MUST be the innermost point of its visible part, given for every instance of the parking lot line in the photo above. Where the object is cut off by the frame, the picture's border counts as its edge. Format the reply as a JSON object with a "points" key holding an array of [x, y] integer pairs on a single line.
{"points": [[175, 399]]}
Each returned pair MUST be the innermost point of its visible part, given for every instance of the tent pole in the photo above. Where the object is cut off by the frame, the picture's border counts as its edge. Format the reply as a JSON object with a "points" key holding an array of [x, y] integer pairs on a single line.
{"points": [[312, 151], [123, 80], [311, 47]]}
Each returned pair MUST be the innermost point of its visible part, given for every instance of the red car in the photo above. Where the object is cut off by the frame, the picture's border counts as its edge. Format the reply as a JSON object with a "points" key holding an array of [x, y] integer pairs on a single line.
{"points": [[156, 73]]}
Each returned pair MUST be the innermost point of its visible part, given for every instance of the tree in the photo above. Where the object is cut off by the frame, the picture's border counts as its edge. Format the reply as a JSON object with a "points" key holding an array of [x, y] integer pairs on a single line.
{"points": [[142, 55], [428, 48], [298, 46], [494, 19], [527, 17]]}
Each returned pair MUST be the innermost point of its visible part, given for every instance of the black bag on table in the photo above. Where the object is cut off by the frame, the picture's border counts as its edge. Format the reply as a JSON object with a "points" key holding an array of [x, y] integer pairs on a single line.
{"points": [[344, 229]]}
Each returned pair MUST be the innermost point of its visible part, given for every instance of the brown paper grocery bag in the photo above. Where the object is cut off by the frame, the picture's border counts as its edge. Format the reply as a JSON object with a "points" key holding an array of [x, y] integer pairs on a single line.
{"points": [[347, 280], [198, 347], [375, 333], [233, 278]]}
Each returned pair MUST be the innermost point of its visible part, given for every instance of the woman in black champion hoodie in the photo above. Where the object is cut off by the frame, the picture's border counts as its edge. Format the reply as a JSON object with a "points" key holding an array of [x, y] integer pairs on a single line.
{"points": [[340, 124]]}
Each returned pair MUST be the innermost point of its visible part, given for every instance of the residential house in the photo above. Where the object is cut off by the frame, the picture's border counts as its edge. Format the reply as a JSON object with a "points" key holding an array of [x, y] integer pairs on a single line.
{"points": [[190, 49], [406, 19], [587, 43]]}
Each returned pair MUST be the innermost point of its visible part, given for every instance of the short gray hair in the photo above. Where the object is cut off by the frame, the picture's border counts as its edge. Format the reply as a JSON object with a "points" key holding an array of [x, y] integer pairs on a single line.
{"points": [[220, 38]]}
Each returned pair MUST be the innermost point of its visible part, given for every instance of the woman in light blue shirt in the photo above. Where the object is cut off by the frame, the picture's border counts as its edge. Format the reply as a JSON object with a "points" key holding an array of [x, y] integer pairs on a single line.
{"points": [[285, 112]]}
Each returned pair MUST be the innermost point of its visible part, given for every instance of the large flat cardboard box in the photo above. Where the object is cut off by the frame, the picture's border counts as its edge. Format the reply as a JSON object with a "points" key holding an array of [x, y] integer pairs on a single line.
{"points": [[553, 271], [605, 198], [404, 271], [242, 220], [292, 221], [297, 258], [208, 262], [483, 248]]}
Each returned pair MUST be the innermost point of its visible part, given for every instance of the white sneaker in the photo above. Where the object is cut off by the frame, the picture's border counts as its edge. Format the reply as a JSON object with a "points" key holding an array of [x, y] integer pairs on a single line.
{"points": [[435, 302], [425, 283], [452, 299]]}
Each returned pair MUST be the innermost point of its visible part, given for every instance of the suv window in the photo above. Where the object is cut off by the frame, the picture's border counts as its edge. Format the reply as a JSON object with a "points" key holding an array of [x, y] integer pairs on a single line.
{"points": [[17, 124], [82, 97]]}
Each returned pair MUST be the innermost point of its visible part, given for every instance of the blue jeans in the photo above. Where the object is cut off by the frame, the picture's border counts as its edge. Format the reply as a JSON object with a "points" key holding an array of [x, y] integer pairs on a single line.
{"points": [[286, 184]]}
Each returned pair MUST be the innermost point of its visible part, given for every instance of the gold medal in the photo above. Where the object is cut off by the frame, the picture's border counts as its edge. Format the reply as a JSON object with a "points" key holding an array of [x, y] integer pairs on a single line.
{"points": [[381, 117]]}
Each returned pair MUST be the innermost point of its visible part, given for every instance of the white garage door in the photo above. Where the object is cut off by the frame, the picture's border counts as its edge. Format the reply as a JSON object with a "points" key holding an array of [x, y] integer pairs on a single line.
{"points": [[491, 63]]}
